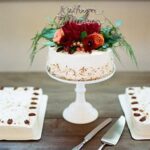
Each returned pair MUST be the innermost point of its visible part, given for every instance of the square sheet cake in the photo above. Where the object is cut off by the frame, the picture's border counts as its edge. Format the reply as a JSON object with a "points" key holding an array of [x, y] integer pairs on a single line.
{"points": [[138, 100], [19, 110]]}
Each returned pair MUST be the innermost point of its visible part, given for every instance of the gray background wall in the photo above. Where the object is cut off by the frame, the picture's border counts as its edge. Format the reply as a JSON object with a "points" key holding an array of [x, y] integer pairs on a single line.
{"points": [[19, 21]]}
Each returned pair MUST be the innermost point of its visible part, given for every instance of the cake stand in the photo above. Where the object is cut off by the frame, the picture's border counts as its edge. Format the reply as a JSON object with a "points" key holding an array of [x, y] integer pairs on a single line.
{"points": [[80, 111]]}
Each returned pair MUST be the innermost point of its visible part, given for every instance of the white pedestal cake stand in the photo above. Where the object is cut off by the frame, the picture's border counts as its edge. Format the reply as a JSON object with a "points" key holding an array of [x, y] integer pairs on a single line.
{"points": [[80, 111]]}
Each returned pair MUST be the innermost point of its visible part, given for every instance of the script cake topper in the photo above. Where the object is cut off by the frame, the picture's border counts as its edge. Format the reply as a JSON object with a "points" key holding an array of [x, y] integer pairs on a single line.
{"points": [[71, 13]]}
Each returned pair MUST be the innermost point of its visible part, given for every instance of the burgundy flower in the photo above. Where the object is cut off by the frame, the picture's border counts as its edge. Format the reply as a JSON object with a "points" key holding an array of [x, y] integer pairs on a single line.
{"points": [[66, 41], [72, 30]]}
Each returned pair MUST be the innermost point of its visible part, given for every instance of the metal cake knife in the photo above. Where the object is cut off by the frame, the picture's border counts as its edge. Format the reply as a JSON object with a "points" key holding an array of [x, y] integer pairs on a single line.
{"points": [[90, 135], [112, 136]]}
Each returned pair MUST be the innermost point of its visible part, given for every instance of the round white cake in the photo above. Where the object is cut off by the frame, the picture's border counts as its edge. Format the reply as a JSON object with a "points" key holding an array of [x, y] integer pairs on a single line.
{"points": [[80, 66]]}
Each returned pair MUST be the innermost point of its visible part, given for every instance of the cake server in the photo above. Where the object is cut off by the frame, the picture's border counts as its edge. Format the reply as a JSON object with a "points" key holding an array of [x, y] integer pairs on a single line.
{"points": [[112, 136], [90, 135]]}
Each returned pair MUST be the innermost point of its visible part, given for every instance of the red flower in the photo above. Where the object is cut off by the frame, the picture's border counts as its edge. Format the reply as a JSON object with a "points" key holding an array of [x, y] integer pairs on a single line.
{"points": [[72, 30], [93, 41]]}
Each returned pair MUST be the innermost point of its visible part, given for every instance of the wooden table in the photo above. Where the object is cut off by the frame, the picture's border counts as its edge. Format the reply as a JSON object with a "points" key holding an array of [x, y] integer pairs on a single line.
{"points": [[61, 135]]}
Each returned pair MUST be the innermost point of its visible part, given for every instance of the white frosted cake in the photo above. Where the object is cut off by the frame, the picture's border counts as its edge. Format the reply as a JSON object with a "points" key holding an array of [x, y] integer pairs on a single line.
{"points": [[139, 106], [19, 110], [81, 46], [80, 66]]}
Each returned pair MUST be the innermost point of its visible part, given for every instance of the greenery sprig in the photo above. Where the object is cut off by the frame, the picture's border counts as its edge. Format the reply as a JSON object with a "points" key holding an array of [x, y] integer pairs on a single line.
{"points": [[114, 37], [47, 34]]}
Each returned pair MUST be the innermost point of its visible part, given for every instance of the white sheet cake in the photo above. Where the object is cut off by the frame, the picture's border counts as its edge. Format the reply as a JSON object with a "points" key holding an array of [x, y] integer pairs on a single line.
{"points": [[139, 106], [19, 108]]}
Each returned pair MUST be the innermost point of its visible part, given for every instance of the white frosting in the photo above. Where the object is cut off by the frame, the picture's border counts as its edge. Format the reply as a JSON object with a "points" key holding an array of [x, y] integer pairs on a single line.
{"points": [[15, 105], [142, 97], [80, 65]]}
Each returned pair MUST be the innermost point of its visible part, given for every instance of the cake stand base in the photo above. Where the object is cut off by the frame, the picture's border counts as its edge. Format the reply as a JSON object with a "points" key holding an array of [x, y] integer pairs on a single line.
{"points": [[80, 114], [80, 111]]}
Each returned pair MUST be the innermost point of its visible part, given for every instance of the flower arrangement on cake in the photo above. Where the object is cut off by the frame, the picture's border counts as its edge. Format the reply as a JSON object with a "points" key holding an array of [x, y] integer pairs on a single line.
{"points": [[80, 48], [72, 30]]}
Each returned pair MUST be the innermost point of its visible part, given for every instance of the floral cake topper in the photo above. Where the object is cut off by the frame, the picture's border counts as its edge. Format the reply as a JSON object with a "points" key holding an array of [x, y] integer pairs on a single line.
{"points": [[72, 30]]}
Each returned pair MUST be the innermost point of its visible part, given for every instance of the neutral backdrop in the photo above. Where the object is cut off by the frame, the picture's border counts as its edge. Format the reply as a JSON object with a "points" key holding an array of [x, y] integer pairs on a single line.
{"points": [[20, 20]]}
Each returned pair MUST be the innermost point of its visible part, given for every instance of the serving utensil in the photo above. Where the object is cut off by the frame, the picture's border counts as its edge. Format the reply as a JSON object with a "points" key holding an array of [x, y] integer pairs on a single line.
{"points": [[90, 135], [112, 136]]}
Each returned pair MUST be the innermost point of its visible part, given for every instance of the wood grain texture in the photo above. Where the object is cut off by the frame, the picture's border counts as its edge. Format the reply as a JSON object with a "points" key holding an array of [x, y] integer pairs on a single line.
{"points": [[61, 135]]}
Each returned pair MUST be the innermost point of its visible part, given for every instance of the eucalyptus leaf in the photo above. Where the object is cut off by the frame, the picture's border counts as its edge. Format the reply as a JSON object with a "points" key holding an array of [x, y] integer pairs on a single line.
{"points": [[49, 43], [106, 45], [118, 22], [48, 33]]}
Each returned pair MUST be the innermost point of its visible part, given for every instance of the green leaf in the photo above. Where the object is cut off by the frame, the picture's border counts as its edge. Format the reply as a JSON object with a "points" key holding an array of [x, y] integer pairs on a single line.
{"points": [[101, 49], [72, 50], [48, 33], [105, 46], [34, 46], [116, 54], [59, 48], [53, 23], [129, 50], [83, 34], [49, 43], [118, 22]]}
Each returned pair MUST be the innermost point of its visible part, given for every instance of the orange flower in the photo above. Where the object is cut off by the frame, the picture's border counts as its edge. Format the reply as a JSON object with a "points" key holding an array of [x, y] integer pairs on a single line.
{"points": [[93, 41], [58, 35], [98, 39]]}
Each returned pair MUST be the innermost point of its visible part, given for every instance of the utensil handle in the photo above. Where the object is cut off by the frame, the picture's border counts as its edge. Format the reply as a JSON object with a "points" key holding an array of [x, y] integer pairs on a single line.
{"points": [[102, 146], [78, 147]]}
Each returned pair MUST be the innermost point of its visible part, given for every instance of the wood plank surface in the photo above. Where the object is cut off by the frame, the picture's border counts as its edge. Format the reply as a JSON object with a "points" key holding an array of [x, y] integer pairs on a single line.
{"points": [[61, 135]]}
